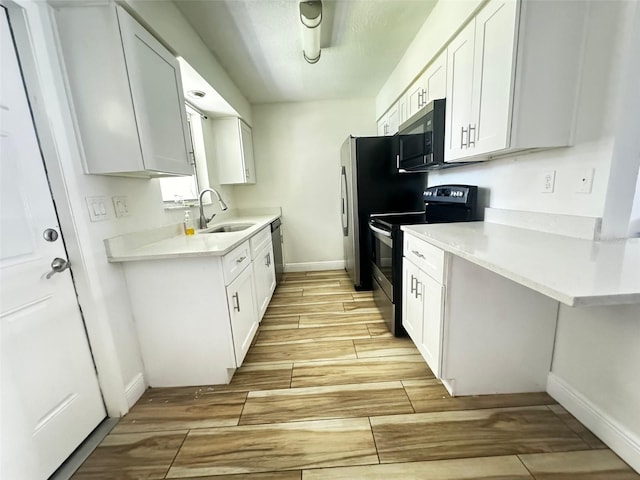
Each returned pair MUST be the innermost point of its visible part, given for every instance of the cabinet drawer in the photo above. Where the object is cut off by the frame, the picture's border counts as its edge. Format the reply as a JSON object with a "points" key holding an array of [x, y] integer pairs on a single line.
{"points": [[259, 240], [428, 258], [235, 261]]}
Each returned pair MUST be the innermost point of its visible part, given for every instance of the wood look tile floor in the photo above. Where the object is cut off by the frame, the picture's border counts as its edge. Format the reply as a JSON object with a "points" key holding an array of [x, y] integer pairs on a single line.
{"points": [[326, 392]]}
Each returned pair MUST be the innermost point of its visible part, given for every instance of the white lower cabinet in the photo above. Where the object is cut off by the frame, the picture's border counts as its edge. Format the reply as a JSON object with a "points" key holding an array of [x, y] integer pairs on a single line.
{"points": [[480, 333], [197, 316], [422, 316], [241, 300], [264, 274]]}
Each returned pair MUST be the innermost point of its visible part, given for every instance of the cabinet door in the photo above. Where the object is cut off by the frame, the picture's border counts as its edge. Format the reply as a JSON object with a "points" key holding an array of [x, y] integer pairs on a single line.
{"points": [[412, 302], [393, 120], [265, 278], [158, 101], [403, 112], [246, 138], [459, 92], [431, 336], [435, 79], [416, 96], [242, 311], [493, 76]]}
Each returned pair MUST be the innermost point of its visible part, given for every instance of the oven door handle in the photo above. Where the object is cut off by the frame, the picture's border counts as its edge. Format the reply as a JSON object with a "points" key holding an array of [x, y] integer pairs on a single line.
{"points": [[380, 231]]}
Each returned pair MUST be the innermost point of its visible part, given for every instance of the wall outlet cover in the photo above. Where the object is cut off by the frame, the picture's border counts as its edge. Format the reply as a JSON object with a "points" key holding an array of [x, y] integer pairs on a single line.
{"points": [[121, 206], [548, 181]]}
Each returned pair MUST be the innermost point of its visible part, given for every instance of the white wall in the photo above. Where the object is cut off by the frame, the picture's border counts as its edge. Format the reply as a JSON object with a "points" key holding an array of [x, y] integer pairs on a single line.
{"points": [[297, 153], [597, 356], [634, 222]]}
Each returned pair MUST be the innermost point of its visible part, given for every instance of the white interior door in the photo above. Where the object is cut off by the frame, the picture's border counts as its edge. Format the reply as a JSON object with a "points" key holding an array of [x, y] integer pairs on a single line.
{"points": [[49, 394]]}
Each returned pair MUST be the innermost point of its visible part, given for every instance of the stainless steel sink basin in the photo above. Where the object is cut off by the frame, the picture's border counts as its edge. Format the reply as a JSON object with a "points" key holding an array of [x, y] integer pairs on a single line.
{"points": [[230, 227]]}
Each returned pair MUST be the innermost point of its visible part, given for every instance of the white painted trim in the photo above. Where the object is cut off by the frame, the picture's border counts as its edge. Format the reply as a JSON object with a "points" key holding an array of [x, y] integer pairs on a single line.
{"points": [[314, 266], [134, 389], [625, 443], [567, 225]]}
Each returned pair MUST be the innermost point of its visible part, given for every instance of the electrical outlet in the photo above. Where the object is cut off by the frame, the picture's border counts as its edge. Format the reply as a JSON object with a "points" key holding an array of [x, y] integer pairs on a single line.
{"points": [[548, 181], [583, 180], [121, 206]]}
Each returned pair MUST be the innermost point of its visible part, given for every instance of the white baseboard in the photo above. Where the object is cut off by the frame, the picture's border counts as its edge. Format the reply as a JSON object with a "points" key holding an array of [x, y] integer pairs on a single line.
{"points": [[134, 389], [314, 266], [625, 443]]}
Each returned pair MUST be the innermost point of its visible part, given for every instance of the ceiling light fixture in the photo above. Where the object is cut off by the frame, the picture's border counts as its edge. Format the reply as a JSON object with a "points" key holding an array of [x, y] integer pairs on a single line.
{"points": [[311, 17]]}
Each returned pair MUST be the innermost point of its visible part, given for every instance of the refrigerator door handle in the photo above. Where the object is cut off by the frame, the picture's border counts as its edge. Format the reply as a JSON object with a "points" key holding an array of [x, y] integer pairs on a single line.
{"points": [[345, 200]]}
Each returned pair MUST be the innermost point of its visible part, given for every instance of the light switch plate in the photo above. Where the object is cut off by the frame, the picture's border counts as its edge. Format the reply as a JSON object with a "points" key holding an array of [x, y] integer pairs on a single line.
{"points": [[97, 207], [121, 206]]}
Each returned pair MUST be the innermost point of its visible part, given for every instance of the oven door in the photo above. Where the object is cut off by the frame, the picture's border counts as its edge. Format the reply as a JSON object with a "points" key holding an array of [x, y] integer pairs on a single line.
{"points": [[382, 259]]}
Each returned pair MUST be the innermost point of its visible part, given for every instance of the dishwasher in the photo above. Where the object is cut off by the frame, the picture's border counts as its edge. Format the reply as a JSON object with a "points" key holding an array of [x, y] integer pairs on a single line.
{"points": [[276, 238]]}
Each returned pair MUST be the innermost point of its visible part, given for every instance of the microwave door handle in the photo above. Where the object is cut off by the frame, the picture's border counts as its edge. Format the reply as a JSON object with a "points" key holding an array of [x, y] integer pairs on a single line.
{"points": [[380, 231]]}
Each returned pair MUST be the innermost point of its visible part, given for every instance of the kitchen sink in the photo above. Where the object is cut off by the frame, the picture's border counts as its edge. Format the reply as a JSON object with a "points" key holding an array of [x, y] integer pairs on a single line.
{"points": [[230, 227]]}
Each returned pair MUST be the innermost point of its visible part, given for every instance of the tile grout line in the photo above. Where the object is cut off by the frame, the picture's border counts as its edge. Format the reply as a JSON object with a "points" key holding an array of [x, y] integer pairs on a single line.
{"points": [[246, 397], [375, 444], [177, 452], [525, 467]]}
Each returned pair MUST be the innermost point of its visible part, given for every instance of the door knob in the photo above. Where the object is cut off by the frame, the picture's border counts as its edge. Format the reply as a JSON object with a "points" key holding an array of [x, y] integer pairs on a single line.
{"points": [[58, 265]]}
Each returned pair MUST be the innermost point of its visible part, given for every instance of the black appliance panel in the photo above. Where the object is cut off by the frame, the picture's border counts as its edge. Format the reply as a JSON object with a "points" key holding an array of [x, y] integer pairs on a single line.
{"points": [[420, 141]]}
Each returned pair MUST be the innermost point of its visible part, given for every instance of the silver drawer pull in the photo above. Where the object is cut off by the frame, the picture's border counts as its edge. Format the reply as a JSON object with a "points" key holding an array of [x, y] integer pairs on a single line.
{"points": [[417, 254], [237, 305], [418, 292], [241, 259]]}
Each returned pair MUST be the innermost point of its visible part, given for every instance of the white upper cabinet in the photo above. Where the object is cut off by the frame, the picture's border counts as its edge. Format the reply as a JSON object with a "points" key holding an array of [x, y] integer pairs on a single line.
{"points": [[233, 144], [435, 79], [389, 122], [511, 79], [416, 96], [459, 90], [126, 92]]}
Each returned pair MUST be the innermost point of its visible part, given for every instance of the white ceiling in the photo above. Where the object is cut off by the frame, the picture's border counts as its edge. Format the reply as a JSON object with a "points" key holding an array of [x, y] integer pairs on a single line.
{"points": [[259, 43]]}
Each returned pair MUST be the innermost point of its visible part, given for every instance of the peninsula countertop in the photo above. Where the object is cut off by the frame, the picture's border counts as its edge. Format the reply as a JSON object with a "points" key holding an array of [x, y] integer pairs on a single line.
{"points": [[171, 242], [574, 271]]}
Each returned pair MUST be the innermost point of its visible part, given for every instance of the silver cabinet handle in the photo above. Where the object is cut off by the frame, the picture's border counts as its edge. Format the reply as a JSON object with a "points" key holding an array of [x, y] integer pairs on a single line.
{"points": [[418, 292], [237, 305], [413, 289], [417, 254], [471, 143], [241, 259], [246, 171], [267, 259], [462, 132], [398, 161], [58, 265]]}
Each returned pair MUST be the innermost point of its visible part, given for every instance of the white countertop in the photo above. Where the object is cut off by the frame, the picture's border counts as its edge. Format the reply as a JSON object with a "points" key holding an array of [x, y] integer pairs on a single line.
{"points": [[171, 242], [574, 271]]}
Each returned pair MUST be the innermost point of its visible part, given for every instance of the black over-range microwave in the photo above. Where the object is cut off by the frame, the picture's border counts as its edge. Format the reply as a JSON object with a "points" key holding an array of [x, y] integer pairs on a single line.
{"points": [[419, 142]]}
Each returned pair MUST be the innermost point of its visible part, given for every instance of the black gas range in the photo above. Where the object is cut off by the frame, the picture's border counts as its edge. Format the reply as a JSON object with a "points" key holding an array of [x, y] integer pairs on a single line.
{"points": [[443, 204]]}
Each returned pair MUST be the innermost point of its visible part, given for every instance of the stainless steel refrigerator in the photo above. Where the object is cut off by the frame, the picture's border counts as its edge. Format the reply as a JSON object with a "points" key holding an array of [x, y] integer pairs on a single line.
{"points": [[370, 184]]}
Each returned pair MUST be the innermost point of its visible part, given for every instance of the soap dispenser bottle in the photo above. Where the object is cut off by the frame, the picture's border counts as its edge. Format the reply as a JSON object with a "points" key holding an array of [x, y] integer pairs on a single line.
{"points": [[188, 224]]}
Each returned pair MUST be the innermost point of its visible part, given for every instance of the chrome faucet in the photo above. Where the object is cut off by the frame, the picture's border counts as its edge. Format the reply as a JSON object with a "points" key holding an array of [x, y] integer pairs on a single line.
{"points": [[203, 218]]}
